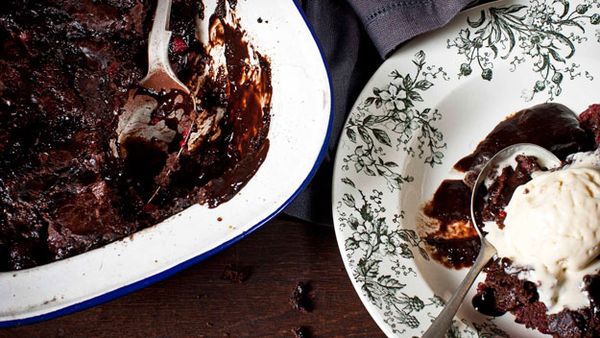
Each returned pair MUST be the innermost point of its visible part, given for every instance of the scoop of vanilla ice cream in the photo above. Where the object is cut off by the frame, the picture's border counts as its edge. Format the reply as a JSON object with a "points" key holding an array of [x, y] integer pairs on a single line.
{"points": [[552, 228]]}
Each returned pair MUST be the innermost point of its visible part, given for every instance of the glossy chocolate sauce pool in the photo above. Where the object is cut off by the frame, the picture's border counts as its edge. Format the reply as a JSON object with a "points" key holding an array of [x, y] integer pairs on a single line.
{"points": [[67, 68]]}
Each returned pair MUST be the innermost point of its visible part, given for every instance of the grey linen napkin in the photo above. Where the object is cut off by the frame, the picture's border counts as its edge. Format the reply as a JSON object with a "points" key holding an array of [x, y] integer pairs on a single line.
{"points": [[355, 36], [391, 22]]}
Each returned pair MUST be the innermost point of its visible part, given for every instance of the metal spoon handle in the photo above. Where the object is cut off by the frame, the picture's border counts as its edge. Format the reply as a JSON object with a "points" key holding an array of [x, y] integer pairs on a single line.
{"points": [[160, 74], [440, 325], [158, 42]]}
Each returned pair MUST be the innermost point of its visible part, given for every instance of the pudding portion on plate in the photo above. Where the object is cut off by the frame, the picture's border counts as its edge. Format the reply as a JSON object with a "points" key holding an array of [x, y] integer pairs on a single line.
{"points": [[544, 223], [447, 227]]}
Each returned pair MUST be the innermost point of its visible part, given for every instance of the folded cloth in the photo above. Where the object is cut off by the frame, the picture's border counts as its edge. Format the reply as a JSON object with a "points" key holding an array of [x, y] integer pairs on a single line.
{"points": [[355, 36], [391, 22]]}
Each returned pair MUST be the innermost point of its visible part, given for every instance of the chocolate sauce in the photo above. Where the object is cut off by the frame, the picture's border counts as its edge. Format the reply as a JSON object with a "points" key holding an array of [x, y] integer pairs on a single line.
{"points": [[456, 253], [223, 188], [592, 286], [248, 119], [485, 302], [550, 125], [454, 242], [450, 204]]}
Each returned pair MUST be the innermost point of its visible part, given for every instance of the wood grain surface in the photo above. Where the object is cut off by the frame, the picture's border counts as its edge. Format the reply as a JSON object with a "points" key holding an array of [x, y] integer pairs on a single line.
{"points": [[207, 301]]}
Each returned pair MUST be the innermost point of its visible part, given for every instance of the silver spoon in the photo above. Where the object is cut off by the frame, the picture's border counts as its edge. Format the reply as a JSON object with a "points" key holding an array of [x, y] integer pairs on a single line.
{"points": [[440, 325], [160, 75], [136, 119]]}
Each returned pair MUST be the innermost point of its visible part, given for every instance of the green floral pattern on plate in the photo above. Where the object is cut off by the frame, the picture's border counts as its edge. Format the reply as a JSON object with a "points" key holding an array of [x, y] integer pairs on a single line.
{"points": [[394, 110], [546, 33], [390, 118], [374, 239]]}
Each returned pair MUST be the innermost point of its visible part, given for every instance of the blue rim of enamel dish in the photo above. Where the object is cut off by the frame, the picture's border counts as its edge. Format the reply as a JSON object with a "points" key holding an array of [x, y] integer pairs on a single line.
{"points": [[124, 290]]}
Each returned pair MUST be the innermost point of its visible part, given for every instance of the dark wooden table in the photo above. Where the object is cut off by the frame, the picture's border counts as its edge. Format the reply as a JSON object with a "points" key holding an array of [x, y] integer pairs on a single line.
{"points": [[207, 301]]}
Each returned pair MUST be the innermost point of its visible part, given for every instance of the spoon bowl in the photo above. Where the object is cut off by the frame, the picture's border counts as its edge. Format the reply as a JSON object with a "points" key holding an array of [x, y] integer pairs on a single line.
{"points": [[160, 97]]}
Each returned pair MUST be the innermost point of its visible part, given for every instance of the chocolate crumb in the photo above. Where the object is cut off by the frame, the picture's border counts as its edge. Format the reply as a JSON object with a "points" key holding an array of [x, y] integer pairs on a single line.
{"points": [[302, 332], [301, 299], [236, 273], [259, 20]]}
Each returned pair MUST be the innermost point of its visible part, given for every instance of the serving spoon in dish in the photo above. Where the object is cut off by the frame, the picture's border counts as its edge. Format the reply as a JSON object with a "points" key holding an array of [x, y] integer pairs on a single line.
{"points": [[159, 113], [545, 158]]}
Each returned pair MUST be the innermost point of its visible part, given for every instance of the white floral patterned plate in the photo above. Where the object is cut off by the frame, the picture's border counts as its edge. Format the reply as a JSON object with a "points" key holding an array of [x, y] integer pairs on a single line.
{"points": [[424, 109]]}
